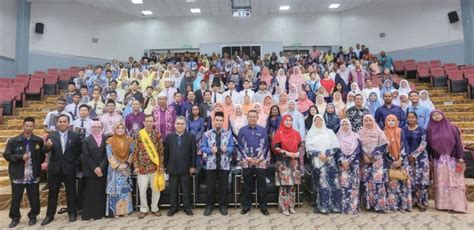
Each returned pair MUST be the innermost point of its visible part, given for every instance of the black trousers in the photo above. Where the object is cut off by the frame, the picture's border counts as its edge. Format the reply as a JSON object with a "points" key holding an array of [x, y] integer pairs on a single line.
{"points": [[249, 175], [221, 177], [54, 183], [32, 190], [184, 181]]}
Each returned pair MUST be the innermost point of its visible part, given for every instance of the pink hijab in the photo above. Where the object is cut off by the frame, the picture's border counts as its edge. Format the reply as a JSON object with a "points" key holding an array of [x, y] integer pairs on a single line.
{"points": [[293, 92], [305, 103], [348, 140], [371, 138], [266, 77], [97, 134], [297, 78]]}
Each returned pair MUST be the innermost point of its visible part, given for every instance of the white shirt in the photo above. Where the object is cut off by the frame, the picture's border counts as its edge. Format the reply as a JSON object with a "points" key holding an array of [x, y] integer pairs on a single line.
{"points": [[86, 125], [216, 97], [235, 96], [244, 92], [71, 108], [52, 118]]}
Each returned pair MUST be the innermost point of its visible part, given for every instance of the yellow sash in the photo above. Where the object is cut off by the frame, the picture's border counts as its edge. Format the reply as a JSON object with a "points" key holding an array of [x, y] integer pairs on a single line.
{"points": [[159, 180]]}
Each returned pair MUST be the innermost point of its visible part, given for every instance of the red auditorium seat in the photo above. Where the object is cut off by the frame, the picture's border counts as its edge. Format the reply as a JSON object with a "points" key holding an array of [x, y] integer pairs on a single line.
{"points": [[38, 76], [438, 77], [64, 79], [422, 63], [19, 89], [410, 68], [435, 63], [399, 67], [422, 73], [467, 72], [73, 70], [4, 85], [39, 73], [450, 66], [27, 76], [470, 85], [35, 88], [6, 81], [7, 99], [51, 84], [456, 81], [23, 81], [52, 70]]}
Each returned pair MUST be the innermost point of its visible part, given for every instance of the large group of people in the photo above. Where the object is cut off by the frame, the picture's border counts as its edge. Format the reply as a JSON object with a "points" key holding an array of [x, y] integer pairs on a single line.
{"points": [[368, 138]]}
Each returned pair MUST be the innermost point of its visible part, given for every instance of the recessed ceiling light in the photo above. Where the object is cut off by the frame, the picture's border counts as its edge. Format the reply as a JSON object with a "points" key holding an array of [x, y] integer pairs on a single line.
{"points": [[284, 7], [137, 1], [190, 0], [334, 5], [147, 12], [195, 10]]}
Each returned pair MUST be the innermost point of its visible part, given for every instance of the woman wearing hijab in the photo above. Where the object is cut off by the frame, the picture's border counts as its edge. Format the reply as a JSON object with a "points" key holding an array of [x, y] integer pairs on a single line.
{"points": [[350, 100], [297, 79], [446, 149], [281, 78], [418, 157], [298, 118], [322, 147], [239, 120], [374, 103], [386, 87], [398, 189], [331, 118], [187, 81], [404, 101], [262, 117], [151, 105], [374, 145], [94, 165], [310, 94], [267, 104], [395, 99], [321, 104], [119, 184], [247, 105], [293, 92], [404, 87], [340, 105], [304, 103], [286, 146], [266, 76], [425, 100], [308, 121], [283, 102], [348, 161]]}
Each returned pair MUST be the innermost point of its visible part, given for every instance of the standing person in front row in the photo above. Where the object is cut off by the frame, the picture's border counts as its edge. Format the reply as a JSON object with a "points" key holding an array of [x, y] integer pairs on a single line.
{"points": [[348, 161], [399, 184], [323, 147], [374, 146], [180, 163], [24, 154], [216, 146], [119, 184], [415, 136], [446, 150], [287, 145], [94, 166], [253, 149], [66, 149], [148, 163]]}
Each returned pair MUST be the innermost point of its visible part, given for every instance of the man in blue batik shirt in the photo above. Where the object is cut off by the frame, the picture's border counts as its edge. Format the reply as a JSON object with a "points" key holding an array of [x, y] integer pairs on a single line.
{"points": [[422, 112], [388, 108]]}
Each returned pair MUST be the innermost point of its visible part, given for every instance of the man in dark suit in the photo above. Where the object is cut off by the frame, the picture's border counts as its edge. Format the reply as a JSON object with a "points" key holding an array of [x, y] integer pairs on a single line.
{"points": [[24, 154], [180, 163], [200, 92], [66, 148]]}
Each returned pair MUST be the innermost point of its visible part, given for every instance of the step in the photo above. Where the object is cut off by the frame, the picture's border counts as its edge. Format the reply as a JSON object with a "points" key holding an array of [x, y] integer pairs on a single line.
{"points": [[3, 170], [4, 181], [457, 107]]}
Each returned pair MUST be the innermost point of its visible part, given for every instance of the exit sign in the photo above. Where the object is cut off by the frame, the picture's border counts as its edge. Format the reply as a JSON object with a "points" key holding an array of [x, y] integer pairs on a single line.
{"points": [[186, 46], [296, 44]]}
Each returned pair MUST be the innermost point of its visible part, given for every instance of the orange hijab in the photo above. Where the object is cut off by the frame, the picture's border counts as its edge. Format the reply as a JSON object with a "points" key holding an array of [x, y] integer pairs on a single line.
{"points": [[393, 135], [120, 144]]}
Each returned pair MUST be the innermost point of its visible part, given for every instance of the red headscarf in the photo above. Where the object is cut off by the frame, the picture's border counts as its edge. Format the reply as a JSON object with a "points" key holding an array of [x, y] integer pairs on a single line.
{"points": [[288, 138]]}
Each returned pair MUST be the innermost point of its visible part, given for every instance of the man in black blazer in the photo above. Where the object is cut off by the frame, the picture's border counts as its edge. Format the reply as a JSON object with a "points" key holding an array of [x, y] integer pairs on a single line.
{"points": [[180, 163], [200, 92], [24, 154], [65, 150]]}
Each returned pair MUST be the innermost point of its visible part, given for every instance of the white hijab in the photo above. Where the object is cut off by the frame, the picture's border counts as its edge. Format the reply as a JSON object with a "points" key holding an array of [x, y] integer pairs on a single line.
{"points": [[405, 90], [320, 139], [426, 103]]}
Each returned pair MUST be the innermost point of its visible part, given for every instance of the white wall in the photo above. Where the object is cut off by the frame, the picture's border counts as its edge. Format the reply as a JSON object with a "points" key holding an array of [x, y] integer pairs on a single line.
{"points": [[307, 29], [8, 28], [406, 23], [69, 29]]}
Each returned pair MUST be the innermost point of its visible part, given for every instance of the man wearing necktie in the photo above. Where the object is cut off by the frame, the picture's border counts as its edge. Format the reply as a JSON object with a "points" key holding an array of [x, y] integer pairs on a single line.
{"points": [[65, 150], [82, 124], [73, 108]]}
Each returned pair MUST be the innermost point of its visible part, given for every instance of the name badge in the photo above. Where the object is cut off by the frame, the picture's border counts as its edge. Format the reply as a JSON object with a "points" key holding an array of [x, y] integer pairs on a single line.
{"points": [[37, 147]]}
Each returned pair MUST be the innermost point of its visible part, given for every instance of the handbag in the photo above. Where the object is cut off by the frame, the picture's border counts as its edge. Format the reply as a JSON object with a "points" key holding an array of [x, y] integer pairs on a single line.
{"points": [[398, 174]]}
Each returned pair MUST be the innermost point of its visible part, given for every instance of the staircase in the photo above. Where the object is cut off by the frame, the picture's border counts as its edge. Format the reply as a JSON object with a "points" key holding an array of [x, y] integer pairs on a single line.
{"points": [[457, 106]]}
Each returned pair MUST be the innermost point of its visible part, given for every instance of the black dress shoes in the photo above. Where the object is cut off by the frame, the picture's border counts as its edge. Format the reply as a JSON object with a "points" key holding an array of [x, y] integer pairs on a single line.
{"points": [[189, 212], [244, 211], [223, 211], [72, 218], [14, 223], [264, 211], [47, 220], [171, 212], [32, 221], [207, 211]]}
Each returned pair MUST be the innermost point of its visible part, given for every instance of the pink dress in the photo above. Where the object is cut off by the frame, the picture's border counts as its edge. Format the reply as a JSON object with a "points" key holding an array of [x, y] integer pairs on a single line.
{"points": [[449, 187]]}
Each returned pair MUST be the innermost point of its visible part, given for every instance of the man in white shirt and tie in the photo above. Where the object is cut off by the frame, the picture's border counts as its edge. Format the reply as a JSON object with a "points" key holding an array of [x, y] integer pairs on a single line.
{"points": [[246, 91], [82, 124], [216, 95], [51, 119], [73, 108], [232, 93]]}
